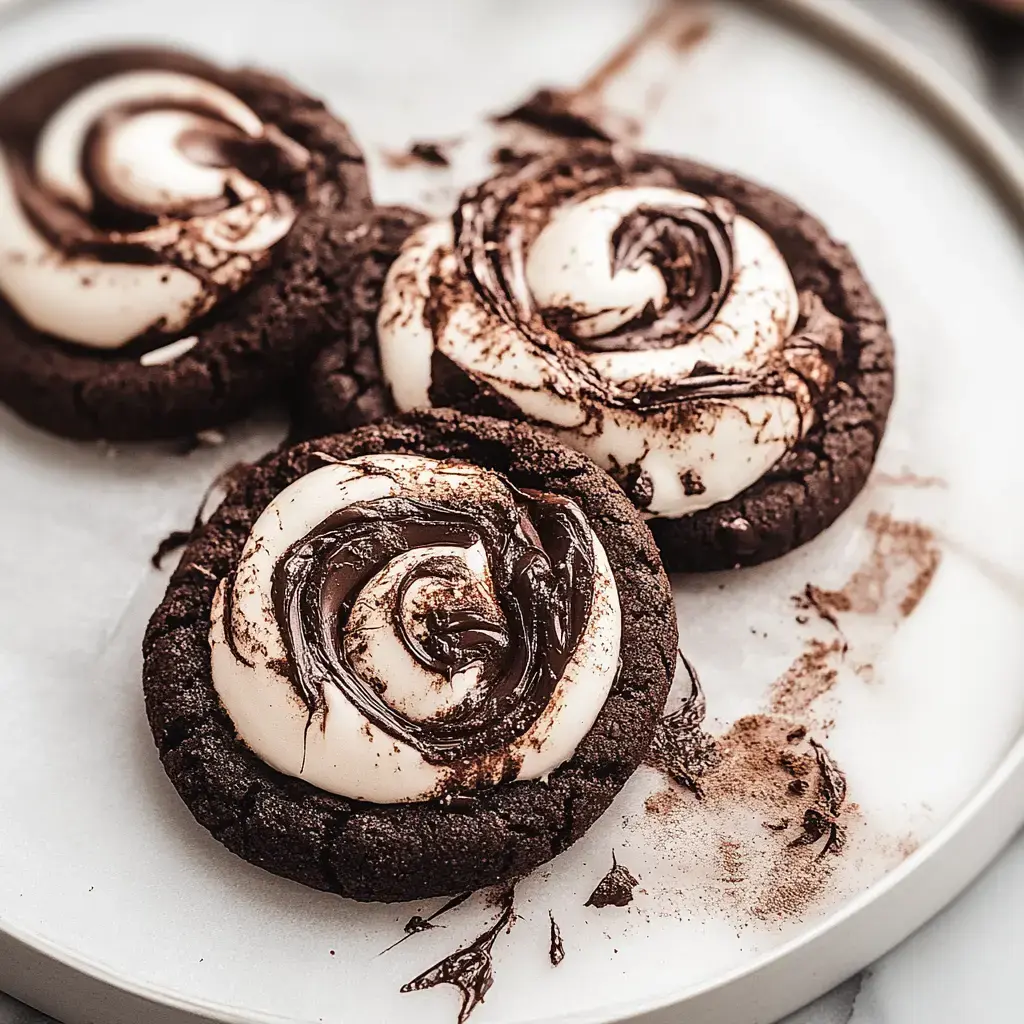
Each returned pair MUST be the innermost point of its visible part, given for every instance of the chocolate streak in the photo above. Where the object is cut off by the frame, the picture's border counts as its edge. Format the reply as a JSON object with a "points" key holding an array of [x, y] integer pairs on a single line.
{"points": [[542, 565]]}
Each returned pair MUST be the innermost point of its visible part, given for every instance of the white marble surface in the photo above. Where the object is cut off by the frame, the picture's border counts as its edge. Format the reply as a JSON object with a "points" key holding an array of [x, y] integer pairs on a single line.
{"points": [[964, 964]]}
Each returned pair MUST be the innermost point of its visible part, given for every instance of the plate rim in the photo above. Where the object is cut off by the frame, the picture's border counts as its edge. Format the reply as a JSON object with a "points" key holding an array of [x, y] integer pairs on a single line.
{"points": [[997, 806]]}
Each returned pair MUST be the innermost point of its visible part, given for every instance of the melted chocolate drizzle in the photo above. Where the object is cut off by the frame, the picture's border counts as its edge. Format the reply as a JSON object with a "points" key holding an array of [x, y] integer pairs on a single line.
{"points": [[692, 248], [471, 968], [541, 562]]}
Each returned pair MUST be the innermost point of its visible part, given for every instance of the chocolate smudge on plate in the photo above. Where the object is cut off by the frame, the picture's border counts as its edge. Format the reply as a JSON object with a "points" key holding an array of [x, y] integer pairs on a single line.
{"points": [[615, 889], [556, 949], [470, 969]]}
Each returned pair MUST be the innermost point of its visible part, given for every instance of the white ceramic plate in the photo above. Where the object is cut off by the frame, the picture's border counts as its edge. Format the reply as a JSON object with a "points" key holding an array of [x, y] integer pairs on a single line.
{"points": [[115, 906]]}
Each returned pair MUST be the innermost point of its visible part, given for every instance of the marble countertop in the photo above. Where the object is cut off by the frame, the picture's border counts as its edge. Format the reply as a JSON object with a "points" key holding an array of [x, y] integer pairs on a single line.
{"points": [[963, 965]]}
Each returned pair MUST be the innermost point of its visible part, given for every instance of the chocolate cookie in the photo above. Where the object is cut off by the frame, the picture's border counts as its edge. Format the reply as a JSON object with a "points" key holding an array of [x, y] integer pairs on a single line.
{"points": [[394, 665], [700, 336], [174, 239], [344, 388]]}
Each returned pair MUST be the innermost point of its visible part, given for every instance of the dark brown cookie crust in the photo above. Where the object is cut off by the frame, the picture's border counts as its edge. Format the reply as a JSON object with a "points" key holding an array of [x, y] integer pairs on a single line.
{"points": [[249, 346], [813, 483], [411, 851], [344, 388]]}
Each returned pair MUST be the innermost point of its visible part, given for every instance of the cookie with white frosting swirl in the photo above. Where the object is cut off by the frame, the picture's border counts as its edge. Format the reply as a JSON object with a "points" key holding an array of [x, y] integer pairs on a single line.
{"points": [[697, 335], [407, 642], [173, 239]]}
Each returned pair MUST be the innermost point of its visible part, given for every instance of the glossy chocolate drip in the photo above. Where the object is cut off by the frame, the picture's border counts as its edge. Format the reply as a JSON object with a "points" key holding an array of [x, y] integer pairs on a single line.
{"points": [[541, 561]]}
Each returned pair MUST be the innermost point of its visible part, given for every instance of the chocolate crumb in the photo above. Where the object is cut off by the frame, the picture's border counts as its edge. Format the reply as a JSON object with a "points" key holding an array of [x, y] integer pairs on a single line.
{"points": [[798, 787], [417, 924], [777, 826], [615, 889], [556, 950], [469, 969], [431, 153], [797, 734]]}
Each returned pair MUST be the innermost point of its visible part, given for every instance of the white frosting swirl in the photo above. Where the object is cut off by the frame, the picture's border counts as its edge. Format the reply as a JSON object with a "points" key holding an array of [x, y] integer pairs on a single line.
{"points": [[747, 381], [340, 750], [128, 215]]}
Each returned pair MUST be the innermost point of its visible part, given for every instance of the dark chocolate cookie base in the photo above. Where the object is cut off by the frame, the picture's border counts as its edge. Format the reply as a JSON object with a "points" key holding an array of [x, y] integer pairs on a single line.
{"points": [[249, 346], [405, 851], [344, 388]]}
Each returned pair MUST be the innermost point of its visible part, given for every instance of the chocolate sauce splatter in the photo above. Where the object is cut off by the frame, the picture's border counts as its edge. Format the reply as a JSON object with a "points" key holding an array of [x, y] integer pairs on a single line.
{"points": [[823, 820], [556, 951], [172, 542], [417, 924], [681, 749], [469, 969], [615, 889]]}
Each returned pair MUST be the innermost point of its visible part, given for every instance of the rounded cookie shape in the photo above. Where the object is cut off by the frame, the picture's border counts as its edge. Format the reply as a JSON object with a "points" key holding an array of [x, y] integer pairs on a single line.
{"points": [[393, 664], [699, 336], [174, 241]]}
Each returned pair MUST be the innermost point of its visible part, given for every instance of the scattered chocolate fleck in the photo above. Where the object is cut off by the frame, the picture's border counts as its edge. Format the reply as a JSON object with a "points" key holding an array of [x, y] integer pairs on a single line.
{"points": [[469, 969], [417, 924], [431, 153], [692, 483], [172, 542], [822, 602], [777, 826], [681, 749], [556, 950], [615, 889]]}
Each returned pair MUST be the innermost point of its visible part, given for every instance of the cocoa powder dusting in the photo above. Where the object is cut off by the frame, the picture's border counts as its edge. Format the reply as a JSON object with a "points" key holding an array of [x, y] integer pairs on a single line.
{"points": [[902, 563], [810, 676], [766, 838]]}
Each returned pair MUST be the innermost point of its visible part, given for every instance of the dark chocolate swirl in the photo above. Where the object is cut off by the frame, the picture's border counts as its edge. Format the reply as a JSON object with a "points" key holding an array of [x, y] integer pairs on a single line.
{"points": [[541, 563], [144, 159], [691, 247]]}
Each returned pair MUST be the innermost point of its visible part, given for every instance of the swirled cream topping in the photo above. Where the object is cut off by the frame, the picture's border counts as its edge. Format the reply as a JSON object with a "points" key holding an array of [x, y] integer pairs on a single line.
{"points": [[654, 329], [135, 194], [399, 629]]}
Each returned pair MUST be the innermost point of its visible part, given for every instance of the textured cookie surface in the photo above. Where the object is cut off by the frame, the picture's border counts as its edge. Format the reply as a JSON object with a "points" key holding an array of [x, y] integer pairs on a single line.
{"points": [[411, 850], [804, 491], [248, 346]]}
